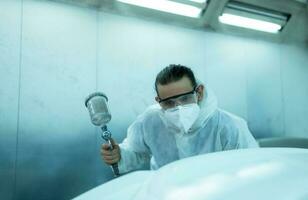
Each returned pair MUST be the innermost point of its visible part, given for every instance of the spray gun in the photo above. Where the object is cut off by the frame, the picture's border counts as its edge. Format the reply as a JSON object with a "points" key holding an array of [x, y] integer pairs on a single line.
{"points": [[96, 104]]}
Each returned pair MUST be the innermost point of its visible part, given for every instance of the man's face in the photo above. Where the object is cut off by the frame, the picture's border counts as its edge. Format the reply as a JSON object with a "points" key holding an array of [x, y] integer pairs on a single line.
{"points": [[179, 87]]}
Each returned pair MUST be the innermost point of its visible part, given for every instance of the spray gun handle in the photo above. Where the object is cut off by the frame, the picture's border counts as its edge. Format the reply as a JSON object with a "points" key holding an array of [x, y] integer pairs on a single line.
{"points": [[114, 166], [106, 135], [110, 145]]}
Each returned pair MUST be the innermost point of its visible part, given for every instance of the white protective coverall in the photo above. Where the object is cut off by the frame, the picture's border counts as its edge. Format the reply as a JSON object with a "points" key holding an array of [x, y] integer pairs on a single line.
{"points": [[151, 143]]}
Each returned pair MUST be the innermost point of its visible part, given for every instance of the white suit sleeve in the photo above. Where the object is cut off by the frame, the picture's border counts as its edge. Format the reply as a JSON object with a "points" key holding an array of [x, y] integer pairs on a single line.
{"points": [[135, 154], [238, 136]]}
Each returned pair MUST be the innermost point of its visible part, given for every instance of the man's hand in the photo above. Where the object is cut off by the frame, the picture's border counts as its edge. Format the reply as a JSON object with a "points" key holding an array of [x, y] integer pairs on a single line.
{"points": [[111, 157]]}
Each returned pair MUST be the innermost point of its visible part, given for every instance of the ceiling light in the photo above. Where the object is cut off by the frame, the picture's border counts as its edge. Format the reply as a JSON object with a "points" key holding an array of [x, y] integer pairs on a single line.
{"points": [[198, 1], [245, 22], [167, 6], [247, 16]]}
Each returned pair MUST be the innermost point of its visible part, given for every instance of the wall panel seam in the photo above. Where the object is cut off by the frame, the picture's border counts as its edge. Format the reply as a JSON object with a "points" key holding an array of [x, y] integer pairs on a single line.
{"points": [[18, 105]]}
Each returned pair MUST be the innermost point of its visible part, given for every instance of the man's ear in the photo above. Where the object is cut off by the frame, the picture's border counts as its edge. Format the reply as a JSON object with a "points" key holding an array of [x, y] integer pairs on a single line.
{"points": [[200, 92]]}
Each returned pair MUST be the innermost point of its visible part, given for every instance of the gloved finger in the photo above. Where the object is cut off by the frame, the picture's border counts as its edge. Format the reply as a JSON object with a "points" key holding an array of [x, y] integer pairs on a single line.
{"points": [[111, 157], [106, 152], [110, 162], [108, 158], [105, 146], [115, 151]]}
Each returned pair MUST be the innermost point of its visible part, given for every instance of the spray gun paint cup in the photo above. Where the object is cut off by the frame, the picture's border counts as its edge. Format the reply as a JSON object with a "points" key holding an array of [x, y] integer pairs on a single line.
{"points": [[98, 109]]}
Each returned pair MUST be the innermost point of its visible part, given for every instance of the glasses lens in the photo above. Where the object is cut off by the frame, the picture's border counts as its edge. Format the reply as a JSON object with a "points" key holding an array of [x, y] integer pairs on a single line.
{"points": [[181, 100], [187, 99], [168, 104]]}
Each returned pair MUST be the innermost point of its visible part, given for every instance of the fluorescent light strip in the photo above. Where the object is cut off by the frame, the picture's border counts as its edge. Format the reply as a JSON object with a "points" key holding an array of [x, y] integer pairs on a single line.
{"points": [[167, 6], [198, 1], [250, 23]]}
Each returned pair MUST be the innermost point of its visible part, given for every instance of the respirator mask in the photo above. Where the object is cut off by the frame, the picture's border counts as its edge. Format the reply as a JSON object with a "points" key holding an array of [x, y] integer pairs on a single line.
{"points": [[181, 111], [182, 117]]}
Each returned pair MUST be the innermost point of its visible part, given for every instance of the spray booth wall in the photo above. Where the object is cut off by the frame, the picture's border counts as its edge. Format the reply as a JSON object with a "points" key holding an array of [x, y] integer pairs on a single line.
{"points": [[53, 55]]}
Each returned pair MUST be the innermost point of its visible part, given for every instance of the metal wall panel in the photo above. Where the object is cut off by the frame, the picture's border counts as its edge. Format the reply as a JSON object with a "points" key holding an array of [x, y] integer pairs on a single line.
{"points": [[10, 17], [264, 89], [295, 89], [226, 71], [57, 156]]}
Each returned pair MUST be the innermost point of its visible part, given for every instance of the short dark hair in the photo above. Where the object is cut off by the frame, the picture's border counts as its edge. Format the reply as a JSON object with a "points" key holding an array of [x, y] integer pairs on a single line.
{"points": [[174, 73]]}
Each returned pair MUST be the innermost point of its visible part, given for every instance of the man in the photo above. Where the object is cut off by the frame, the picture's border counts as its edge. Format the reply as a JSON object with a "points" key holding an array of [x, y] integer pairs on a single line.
{"points": [[185, 122]]}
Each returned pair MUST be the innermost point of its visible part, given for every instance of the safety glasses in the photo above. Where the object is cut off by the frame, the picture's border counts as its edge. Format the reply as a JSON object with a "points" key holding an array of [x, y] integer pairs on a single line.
{"points": [[181, 99]]}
